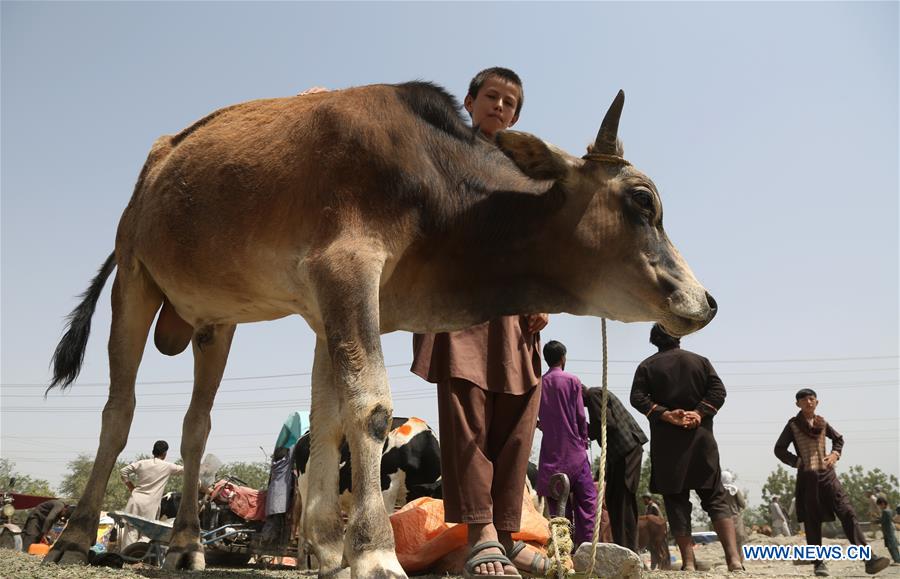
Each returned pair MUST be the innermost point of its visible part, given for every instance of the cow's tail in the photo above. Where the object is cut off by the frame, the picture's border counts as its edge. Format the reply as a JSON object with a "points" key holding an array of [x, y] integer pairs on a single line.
{"points": [[69, 354], [665, 561]]}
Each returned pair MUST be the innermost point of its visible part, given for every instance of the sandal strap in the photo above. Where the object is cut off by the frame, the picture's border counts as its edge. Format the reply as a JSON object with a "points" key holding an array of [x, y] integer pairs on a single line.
{"points": [[487, 545], [516, 549], [540, 564], [489, 558]]}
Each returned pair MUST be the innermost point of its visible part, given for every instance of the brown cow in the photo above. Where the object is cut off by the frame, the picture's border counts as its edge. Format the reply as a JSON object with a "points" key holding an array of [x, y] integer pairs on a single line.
{"points": [[364, 211], [652, 536]]}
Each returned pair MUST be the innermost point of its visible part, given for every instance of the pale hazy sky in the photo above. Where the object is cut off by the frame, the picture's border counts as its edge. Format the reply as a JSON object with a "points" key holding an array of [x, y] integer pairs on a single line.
{"points": [[770, 128]]}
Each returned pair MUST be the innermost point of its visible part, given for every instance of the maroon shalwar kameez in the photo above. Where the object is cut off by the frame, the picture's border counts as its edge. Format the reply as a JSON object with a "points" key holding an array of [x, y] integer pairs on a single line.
{"points": [[819, 494], [488, 379]]}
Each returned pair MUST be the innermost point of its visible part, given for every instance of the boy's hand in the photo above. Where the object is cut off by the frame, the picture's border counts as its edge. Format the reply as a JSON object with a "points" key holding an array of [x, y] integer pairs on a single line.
{"points": [[537, 322], [831, 459]]}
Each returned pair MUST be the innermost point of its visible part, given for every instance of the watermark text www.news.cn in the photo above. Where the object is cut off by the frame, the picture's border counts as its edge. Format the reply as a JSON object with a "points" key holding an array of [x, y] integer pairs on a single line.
{"points": [[807, 552]]}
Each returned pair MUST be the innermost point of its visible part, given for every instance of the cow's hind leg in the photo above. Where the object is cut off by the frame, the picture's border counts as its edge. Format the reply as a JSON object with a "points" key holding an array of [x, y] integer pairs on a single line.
{"points": [[135, 299], [211, 346], [347, 283], [322, 524]]}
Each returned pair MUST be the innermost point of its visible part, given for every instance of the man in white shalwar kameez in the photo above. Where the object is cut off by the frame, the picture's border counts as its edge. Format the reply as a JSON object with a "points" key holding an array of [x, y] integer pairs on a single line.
{"points": [[150, 477], [780, 524]]}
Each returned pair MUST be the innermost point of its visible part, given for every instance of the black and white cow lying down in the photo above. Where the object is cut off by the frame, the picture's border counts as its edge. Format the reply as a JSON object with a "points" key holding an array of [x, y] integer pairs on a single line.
{"points": [[410, 465], [410, 468]]}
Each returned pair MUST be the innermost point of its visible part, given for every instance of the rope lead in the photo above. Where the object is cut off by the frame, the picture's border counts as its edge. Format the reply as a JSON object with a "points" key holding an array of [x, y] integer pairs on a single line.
{"points": [[601, 491]]}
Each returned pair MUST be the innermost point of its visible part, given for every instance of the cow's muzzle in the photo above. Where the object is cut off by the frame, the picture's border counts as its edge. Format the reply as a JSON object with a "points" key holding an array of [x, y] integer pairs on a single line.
{"points": [[689, 311]]}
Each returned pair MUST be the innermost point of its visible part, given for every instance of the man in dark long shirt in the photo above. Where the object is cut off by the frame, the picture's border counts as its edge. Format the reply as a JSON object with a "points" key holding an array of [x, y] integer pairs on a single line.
{"points": [[624, 450], [819, 495], [680, 392], [41, 519]]}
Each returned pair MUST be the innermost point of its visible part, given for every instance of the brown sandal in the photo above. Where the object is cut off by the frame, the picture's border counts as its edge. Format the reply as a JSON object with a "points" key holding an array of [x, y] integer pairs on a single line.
{"points": [[539, 565], [473, 561]]}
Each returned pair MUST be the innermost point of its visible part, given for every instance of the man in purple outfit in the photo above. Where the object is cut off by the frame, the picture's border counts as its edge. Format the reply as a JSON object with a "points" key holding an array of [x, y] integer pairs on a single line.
{"points": [[565, 441]]}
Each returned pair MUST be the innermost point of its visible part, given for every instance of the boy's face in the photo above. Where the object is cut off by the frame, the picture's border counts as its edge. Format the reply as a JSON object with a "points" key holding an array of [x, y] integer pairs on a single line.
{"points": [[494, 107], [808, 404]]}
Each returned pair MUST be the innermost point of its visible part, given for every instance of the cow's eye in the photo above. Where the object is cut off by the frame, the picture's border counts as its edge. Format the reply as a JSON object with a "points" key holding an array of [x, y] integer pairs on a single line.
{"points": [[643, 199]]}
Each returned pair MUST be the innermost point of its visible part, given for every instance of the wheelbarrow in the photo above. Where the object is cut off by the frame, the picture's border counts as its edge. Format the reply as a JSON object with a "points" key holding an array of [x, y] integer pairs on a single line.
{"points": [[159, 533]]}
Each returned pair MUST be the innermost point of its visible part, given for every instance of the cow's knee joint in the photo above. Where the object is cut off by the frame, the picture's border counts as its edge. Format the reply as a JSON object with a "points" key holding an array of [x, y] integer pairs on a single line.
{"points": [[378, 422]]}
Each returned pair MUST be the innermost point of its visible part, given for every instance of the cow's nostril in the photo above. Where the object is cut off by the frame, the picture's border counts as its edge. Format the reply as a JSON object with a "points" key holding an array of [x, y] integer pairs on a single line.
{"points": [[713, 306]]}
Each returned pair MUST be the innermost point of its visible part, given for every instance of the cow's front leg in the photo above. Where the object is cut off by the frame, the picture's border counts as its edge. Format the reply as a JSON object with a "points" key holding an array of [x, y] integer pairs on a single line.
{"points": [[347, 282], [321, 515], [211, 346]]}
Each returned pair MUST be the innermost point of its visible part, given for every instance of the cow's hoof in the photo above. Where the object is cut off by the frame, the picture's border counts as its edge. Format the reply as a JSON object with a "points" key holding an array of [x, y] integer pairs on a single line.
{"points": [[66, 553], [381, 564], [191, 560]]}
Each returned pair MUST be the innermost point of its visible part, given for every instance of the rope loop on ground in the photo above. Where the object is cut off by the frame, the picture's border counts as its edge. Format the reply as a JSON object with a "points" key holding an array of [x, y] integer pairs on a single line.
{"points": [[559, 547]]}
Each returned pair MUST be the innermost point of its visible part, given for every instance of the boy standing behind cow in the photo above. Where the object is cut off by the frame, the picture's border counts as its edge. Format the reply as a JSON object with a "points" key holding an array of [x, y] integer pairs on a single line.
{"points": [[487, 380]]}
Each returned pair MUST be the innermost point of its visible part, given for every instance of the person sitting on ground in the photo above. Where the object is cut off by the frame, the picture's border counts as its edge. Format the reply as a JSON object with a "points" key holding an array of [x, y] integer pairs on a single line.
{"points": [[819, 493], [41, 519], [565, 442]]}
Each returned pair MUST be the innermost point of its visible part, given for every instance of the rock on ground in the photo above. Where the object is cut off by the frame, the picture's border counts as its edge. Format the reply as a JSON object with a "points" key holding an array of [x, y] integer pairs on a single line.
{"points": [[611, 562]]}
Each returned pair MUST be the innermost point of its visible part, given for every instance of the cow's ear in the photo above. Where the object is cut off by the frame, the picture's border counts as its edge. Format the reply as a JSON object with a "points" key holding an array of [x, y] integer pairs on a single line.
{"points": [[533, 156]]}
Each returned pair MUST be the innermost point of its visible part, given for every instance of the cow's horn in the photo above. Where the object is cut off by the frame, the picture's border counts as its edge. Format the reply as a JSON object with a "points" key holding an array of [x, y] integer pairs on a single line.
{"points": [[606, 137]]}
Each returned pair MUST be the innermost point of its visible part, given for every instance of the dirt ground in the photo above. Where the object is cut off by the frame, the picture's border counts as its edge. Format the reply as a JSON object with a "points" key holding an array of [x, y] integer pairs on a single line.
{"points": [[712, 557], [15, 565]]}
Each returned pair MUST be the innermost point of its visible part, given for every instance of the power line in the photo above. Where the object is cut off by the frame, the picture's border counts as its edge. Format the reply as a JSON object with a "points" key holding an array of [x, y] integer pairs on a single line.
{"points": [[416, 388], [761, 361], [185, 391], [407, 364], [269, 433], [190, 380], [787, 373], [304, 402]]}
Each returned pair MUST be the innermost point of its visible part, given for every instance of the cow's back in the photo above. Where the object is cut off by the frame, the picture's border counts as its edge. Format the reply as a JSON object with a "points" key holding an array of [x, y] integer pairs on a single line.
{"points": [[268, 181]]}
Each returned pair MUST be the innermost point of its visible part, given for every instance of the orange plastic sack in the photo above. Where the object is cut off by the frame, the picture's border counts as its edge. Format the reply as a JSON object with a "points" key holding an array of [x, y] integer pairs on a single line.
{"points": [[425, 542]]}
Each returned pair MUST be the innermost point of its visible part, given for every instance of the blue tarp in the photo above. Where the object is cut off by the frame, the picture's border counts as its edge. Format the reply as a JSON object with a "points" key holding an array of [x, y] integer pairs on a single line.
{"points": [[293, 428]]}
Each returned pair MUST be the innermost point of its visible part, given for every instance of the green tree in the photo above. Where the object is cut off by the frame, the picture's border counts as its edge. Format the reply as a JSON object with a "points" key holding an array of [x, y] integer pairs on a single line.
{"points": [[859, 484], [176, 481], [25, 484], [255, 474], [780, 483], [75, 482], [754, 517]]}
